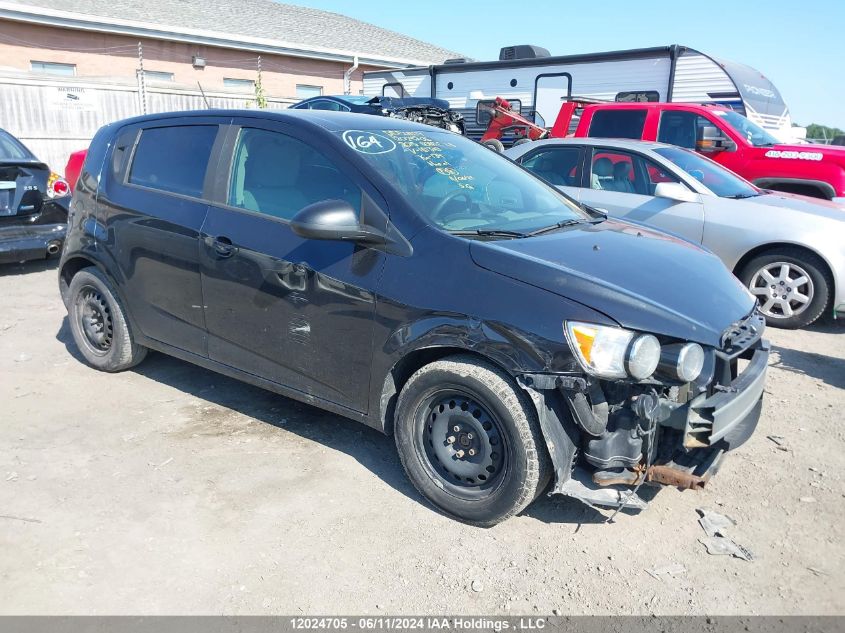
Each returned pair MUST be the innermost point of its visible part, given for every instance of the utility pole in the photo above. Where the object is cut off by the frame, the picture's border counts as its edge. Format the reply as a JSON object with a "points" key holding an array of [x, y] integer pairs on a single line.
{"points": [[142, 80]]}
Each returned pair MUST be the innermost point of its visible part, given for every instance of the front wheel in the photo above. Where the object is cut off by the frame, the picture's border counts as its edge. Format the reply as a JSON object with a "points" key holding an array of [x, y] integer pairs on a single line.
{"points": [[792, 286], [470, 441]]}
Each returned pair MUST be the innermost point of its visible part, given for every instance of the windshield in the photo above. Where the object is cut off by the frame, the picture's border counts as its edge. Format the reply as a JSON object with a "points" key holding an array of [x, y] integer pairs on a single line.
{"points": [[12, 149], [751, 132], [459, 185], [716, 178]]}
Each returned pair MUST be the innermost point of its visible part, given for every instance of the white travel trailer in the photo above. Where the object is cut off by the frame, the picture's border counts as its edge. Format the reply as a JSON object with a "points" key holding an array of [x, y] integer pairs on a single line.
{"points": [[536, 83]]}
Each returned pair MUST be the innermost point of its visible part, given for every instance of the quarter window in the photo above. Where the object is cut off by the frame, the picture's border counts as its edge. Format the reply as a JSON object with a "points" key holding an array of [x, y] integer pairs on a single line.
{"points": [[559, 166], [618, 124], [173, 159], [623, 172], [278, 175]]}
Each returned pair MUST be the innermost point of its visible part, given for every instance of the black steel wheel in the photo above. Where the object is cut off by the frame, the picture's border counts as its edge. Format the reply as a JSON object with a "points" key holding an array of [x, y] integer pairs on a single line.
{"points": [[469, 440], [92, 311], [98, 323], [465, 446]]}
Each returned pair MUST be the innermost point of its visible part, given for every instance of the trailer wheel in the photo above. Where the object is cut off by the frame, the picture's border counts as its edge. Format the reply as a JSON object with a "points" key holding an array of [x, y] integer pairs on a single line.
{"points": [[494, 144]]}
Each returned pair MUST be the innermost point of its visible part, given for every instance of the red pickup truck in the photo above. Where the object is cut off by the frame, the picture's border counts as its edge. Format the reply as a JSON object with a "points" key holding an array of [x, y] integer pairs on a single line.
{"points": [[718, 133]]}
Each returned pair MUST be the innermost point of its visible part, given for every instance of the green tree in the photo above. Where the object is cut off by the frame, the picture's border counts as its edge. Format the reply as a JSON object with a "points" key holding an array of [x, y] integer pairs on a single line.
{"points": [[822, 132]]}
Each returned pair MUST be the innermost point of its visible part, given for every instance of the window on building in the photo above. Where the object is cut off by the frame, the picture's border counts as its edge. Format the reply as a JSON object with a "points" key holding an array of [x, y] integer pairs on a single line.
{"points": [[618, 124], [306, 92], [53, 68], [157, 75], [244, 85], [173, 158]]}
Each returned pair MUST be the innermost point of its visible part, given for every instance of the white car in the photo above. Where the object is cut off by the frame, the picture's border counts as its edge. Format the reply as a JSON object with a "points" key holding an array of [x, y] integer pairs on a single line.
{"points": [[788, 250]]}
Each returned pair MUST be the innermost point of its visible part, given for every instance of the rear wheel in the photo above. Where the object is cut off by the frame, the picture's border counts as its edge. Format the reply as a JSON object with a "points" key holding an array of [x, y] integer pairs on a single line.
{"points": [[792, 286], [98, 323], [470, 441]]}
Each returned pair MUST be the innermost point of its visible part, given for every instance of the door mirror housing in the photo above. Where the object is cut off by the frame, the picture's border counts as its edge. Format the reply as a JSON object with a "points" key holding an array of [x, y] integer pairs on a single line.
{"points": [[334, 220], [675, 191], [711, 139]]}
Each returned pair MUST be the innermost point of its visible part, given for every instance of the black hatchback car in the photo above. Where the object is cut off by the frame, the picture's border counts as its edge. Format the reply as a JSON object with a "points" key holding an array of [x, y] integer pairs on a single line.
{"points": [[411, 279]]}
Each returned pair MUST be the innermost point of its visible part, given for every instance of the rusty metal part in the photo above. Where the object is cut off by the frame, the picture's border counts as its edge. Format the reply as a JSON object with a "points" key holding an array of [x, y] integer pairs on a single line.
{"points": [[673, 477]]}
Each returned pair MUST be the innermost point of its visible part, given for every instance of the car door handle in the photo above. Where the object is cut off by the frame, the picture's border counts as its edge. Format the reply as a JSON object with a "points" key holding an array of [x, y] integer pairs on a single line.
{"points": [[223, 246]]}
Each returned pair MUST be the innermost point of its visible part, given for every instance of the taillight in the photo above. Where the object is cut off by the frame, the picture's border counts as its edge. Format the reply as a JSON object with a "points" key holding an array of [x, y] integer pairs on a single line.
{"points": [[57, 187]]}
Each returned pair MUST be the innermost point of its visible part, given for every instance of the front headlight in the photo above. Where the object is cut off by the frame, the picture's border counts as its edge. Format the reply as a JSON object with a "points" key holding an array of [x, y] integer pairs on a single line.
{"points": [[612, 352]]}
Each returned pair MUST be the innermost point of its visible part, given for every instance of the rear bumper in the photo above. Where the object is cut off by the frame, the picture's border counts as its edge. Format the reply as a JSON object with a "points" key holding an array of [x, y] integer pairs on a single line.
{"points": [[22, 243]]}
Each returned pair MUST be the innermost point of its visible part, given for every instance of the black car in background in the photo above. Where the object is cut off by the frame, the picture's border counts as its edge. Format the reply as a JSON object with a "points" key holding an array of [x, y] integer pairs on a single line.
{"points": [[425, 110], [409, 278], [33, 204]]}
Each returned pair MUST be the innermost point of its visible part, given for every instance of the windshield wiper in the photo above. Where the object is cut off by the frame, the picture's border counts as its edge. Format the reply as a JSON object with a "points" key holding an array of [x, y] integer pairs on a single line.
{"points": [[490, 233], [564, 223], [742, 196]]}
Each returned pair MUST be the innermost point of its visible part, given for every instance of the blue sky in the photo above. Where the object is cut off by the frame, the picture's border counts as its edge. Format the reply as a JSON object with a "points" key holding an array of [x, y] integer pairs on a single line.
{"points": [[798, 45]]}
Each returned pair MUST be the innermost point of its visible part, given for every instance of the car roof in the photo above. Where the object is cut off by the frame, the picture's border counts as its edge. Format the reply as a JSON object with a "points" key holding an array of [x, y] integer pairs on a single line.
{"points": [[619, 143], [323, 119], [661, 105], [356, 99]]}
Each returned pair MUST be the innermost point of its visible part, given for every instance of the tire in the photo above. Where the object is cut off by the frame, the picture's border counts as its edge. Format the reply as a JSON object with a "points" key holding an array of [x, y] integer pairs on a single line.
{"points": [[98, 323], [792, 312], [494, 144], [510, 467]]}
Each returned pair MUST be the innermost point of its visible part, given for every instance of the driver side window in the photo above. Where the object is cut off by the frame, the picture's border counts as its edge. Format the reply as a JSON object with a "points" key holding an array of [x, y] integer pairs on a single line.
{"points": [[277, 175], [624, 172]]}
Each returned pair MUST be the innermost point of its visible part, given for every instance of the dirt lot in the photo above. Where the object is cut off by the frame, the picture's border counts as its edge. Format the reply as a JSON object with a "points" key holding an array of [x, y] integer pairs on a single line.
{"points": [[170, 489]]}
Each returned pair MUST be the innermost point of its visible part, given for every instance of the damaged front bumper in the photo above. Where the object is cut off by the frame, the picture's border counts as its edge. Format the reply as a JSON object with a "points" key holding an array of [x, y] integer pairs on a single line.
{"points": [[682, 443]]}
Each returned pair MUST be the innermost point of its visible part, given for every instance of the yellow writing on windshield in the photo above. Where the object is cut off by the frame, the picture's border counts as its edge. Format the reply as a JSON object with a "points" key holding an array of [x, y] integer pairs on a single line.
{"points": [[435, 154]]}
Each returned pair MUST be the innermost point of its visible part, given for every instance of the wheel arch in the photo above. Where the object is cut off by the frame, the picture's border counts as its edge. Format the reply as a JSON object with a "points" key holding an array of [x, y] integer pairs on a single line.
{"points": [[762, 249], [410, 363], [797, 185], [69, 268]]}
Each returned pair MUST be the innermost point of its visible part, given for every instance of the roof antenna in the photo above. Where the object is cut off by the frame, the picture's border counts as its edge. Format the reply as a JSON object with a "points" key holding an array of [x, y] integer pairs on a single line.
{"points": [[203, 96]]}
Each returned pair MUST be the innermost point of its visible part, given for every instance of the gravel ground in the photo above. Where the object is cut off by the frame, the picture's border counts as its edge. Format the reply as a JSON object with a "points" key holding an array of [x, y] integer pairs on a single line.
{"points": [[170, 489]]}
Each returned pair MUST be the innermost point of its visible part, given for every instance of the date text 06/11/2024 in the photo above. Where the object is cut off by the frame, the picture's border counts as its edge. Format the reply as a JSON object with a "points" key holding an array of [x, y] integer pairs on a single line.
{"points": [[388, 623]]}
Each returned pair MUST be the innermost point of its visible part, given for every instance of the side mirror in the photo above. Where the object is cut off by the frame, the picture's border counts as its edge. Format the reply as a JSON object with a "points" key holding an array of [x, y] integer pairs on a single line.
{"points": [[711, 139], [675, 191], [334, 220]]}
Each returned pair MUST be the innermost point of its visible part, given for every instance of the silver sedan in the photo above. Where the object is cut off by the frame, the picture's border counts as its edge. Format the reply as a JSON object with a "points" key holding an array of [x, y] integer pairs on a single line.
{"points": [[788, 250]]}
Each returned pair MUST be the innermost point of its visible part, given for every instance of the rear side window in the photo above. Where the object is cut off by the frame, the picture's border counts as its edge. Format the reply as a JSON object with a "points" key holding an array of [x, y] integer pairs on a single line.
{"points": [[11, 149], [618, 124], [173, 159]]}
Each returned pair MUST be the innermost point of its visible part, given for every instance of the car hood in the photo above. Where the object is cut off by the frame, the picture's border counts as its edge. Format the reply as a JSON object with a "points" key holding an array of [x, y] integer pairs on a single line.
{"points": [[642, 279], [802, 204]]}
